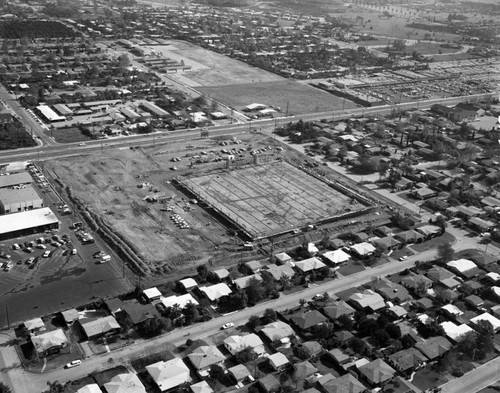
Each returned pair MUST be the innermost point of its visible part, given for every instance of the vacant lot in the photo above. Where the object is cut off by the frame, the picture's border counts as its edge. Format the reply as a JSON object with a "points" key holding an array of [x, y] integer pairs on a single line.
{"points": [[270, 199], [300, 97], [213, 69]]}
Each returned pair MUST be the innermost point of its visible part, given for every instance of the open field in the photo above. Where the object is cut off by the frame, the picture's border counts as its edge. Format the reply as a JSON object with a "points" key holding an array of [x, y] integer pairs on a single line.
{"points": [[67, 135], [301, 97], [269, 199], [213, 69]]}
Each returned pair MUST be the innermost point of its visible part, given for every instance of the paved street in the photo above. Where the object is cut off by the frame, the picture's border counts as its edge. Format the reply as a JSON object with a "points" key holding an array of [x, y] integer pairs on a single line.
{"points": [[25, 382], [475, 380]]}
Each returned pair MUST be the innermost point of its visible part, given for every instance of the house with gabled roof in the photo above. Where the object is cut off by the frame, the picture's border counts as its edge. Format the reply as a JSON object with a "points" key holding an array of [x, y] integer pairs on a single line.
{"points": [[494, 321], [336, 257], [242, 282], [434, 347], [205, 356], [125, 383], [438, 273], [49, 343], [464, 267], [278, 271], [278, 361], [269, 383], [364, 249], [387, 243], [305, 320], [344, 384], [409, 236], [304, 370], [407, 360], [277, 331], [240, 373], [308, 265], [201, 387], [454, 332], [235, 344], [337, 309], [215, 292], [90, 388], [368, 299], [169, 374], [392, 291], [283, 257], [100, 327], [376, 372]]}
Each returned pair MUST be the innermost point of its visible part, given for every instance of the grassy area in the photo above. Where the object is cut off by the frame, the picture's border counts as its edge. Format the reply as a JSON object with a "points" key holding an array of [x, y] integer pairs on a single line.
{"points": [[67, 135], [350, 268], [299, 97], [433, 243], [428, 378]]}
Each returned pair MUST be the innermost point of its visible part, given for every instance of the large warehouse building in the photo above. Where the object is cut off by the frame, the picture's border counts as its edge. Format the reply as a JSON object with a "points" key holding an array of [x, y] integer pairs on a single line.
{"points": [[14, 200], [15, 179], [28, 222]]}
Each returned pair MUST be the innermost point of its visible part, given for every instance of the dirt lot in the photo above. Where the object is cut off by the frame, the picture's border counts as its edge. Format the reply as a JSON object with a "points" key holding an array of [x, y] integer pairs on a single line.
{"points": [[114, 184], [214, 69], [302, 98]]}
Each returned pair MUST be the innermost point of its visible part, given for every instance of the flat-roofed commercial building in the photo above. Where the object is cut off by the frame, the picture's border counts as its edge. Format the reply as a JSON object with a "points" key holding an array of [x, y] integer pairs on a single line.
{"points": [[15, 179], [49, 114], [28, 222], [14, 200]]}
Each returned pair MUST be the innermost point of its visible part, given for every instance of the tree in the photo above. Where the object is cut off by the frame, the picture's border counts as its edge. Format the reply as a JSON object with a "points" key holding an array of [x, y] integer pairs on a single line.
{"points": [[216, 372], [154, 326], [255, 291], [399, 45], [202, 272], [246, 356], [407, 341], [55, 387], [4, 388], [254, 321], [346, 322], [393, 330], [322, 330], [270, 315], [123, 61], [445, 252], [285, 282], [301, 352]]}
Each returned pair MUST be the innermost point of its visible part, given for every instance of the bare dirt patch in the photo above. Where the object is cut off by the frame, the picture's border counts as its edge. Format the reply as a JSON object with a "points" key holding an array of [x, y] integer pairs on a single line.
{"points": [[301, 98]]}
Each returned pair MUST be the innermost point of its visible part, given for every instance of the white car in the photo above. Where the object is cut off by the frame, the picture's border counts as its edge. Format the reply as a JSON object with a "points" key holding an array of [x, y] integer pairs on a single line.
{"points": [[227, 326], [73, 363], [73, 251], [403, 258], [46, 254], [82, 144]]}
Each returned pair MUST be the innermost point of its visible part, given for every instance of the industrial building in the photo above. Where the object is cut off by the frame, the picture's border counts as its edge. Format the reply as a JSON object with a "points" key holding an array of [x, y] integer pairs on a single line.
{"points": [[27, 223], [14, 200], [15, 179]]}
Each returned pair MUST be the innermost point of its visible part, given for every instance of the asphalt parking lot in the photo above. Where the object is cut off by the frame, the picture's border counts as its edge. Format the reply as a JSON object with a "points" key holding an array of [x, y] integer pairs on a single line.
{"points": [[60, 281]]}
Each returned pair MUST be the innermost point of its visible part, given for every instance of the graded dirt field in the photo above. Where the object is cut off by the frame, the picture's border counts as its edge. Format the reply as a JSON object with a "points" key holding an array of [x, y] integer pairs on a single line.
{"points": [[114, 186], [301, 97], [211, 68], [272, 198]]}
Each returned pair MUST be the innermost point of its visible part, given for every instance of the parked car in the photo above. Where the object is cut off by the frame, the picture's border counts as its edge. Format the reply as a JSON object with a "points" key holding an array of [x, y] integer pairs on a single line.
{"points": [[73, 363], [46, 254], [227, 326]]}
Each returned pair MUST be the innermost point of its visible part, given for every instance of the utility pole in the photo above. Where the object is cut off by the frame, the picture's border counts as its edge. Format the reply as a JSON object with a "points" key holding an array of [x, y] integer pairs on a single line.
{"points": [[7, 315]]}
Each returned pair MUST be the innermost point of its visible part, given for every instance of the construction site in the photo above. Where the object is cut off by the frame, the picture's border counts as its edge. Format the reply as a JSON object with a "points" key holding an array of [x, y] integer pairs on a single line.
{"points": [[274, 198]]}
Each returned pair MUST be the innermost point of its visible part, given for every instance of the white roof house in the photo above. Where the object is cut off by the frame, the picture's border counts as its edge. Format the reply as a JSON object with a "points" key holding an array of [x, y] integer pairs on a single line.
{"points": [[215, 292], [277, 330], [278, 360], [242, 282], [455, 332], [182, 300], [462, 265], [46, 341], [309, 264], [235, 344], [201, 387], [367, 299], [495, 322], [283, 257], [27, 219], [337, 256], [100, 326], [35, 325], [188, 283], [452, 310], [493, 276], [152, 293], [168, 375], [91, 388], [125, 383], [363, 249]]}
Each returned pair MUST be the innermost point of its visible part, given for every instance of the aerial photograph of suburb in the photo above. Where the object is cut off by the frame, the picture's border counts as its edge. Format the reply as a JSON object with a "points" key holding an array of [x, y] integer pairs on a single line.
{"points": [[249, 196]]}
